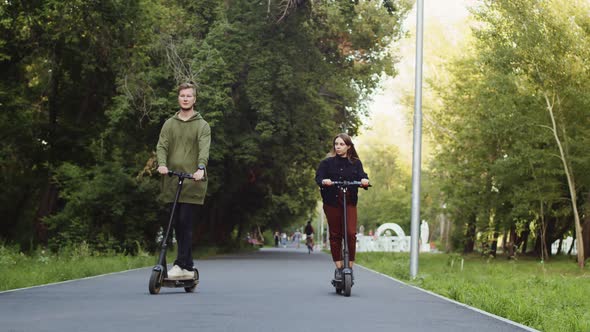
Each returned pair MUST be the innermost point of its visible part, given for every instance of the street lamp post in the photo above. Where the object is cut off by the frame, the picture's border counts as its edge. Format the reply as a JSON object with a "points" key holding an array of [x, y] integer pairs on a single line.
{"points": [[417, 151]]}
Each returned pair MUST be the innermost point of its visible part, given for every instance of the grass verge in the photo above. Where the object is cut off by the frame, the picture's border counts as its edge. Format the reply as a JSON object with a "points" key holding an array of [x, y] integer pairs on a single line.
{"points": [[41, 267], [549, 296]]}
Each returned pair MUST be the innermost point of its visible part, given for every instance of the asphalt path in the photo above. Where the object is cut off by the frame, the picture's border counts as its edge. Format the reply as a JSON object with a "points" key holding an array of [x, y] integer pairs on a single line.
{"points": [[283, 289]]}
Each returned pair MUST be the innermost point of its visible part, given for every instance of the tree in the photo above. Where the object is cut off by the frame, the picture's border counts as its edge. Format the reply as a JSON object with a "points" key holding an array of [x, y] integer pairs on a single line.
{"points": [[558, 29], [493, 127], [101, 83]]}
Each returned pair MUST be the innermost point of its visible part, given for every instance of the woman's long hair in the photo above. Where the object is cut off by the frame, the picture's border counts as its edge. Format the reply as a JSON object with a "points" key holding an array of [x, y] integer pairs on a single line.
{"points": [[351, 153]]}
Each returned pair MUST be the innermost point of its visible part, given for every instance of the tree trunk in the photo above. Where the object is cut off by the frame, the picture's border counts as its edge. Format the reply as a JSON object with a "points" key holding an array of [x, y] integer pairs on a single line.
{"points": [[448, 244], [512, 243], [546, 228], [524, 239], [48, 202], [505, 241], [494, 245], [586, 231], [571, 185], [444, 232], [47, 206], [470, 236], [569, 251], [586, 235]]}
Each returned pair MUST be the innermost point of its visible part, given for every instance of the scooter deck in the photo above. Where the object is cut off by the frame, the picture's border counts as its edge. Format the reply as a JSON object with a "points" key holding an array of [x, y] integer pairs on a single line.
{"points": [[339, 283], [180, 282]]}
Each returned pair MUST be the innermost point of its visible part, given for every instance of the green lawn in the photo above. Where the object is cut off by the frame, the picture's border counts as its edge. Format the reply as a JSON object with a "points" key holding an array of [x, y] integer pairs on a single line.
{"points": [[41, 267], [550, 296]]}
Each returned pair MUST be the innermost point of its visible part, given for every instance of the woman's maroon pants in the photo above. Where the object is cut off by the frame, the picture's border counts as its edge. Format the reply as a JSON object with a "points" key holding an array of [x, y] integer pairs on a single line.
{"points": [[335, 216]]}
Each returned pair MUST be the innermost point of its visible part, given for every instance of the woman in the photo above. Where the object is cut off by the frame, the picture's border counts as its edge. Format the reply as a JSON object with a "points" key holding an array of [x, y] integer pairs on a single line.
{"points": [[342, 164]]}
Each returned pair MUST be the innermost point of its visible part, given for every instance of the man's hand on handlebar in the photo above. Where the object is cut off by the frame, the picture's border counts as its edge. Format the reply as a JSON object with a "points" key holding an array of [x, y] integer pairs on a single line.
{"points": [[326, 182], [199, 175], [163, 170]]}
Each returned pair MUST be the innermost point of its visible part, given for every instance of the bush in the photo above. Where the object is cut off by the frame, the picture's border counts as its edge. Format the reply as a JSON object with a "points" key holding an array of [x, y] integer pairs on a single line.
{"points": [[106, 208]]}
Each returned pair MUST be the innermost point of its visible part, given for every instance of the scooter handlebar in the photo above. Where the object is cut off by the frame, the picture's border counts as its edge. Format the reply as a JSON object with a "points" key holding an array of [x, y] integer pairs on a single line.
{"points": [[349, 184], [180, 174]]}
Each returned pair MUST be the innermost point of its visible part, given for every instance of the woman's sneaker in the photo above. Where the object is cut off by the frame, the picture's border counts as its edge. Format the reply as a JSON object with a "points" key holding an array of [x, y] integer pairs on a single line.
{"points": [[175, 273], [338, 275]]}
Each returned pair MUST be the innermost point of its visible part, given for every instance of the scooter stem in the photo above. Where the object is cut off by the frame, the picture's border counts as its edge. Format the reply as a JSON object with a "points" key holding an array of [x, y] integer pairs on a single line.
{"points": [[162, 257], [345, 251]]}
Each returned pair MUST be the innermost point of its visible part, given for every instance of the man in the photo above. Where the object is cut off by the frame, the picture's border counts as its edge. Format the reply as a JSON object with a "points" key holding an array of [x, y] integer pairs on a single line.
{"points": [[183, 146]]}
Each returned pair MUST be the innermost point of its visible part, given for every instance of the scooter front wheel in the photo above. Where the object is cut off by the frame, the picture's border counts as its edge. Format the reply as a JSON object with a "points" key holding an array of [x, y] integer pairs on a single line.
{"points": [[155, 282], [347, 284]]}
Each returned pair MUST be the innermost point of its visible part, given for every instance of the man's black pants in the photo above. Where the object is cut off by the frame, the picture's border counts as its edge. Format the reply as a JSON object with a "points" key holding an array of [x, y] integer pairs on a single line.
{"points": [[184, 217]]}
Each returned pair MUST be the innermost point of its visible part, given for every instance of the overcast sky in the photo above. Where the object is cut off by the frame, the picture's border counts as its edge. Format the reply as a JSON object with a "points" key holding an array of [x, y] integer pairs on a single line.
{"points": [[387, 122]]}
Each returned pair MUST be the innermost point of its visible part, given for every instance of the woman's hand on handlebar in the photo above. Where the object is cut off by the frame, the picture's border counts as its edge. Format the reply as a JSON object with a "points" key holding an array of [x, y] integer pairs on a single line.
{"points": [[326, 182], [364, 183], [163, 170]]}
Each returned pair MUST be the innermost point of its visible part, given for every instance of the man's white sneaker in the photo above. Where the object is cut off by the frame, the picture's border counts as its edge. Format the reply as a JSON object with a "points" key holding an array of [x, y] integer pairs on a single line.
{"points": [[175, 272], [186, 274]]}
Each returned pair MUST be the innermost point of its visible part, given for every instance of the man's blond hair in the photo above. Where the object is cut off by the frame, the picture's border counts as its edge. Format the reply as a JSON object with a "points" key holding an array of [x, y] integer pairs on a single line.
{"points": [[185, 86]]}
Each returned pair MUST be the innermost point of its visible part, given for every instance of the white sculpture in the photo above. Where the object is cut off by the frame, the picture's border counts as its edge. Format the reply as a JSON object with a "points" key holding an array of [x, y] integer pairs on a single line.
{"points": [[565, 246], [424, 233], [389, 237], [393, 226]]}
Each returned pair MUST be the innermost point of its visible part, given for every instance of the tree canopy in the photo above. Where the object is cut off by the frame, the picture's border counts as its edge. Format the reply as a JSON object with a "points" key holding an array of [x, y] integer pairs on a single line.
{"points": [[511, 131], [87, 86]]}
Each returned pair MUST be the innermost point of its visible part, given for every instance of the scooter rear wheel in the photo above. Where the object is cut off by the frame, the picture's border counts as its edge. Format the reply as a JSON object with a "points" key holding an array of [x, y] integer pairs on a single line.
{"points": [[192, 288], [347, 284], [155, 282]]}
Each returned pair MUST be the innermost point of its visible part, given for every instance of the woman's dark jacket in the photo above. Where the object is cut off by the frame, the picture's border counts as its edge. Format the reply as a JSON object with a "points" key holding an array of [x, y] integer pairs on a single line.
{"points": [[339, 169]]}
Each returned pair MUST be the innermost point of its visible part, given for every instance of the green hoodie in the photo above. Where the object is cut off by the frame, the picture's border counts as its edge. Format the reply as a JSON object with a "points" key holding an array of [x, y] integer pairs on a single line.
{"points": [[182, 147]]}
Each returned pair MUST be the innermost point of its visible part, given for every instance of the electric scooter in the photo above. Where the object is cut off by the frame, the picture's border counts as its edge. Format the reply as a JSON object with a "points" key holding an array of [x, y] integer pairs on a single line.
{"points": [[159, 276], [309, 243], [346, 283]]}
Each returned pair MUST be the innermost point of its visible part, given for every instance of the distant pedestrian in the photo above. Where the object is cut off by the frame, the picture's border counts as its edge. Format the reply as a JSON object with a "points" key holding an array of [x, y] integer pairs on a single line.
{"points": [[309, 235], [297, 238], [276, 239]]}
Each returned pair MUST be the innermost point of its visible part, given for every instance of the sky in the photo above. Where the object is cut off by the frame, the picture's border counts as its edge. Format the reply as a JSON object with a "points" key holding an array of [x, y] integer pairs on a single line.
{"points": [[387, 121]]}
